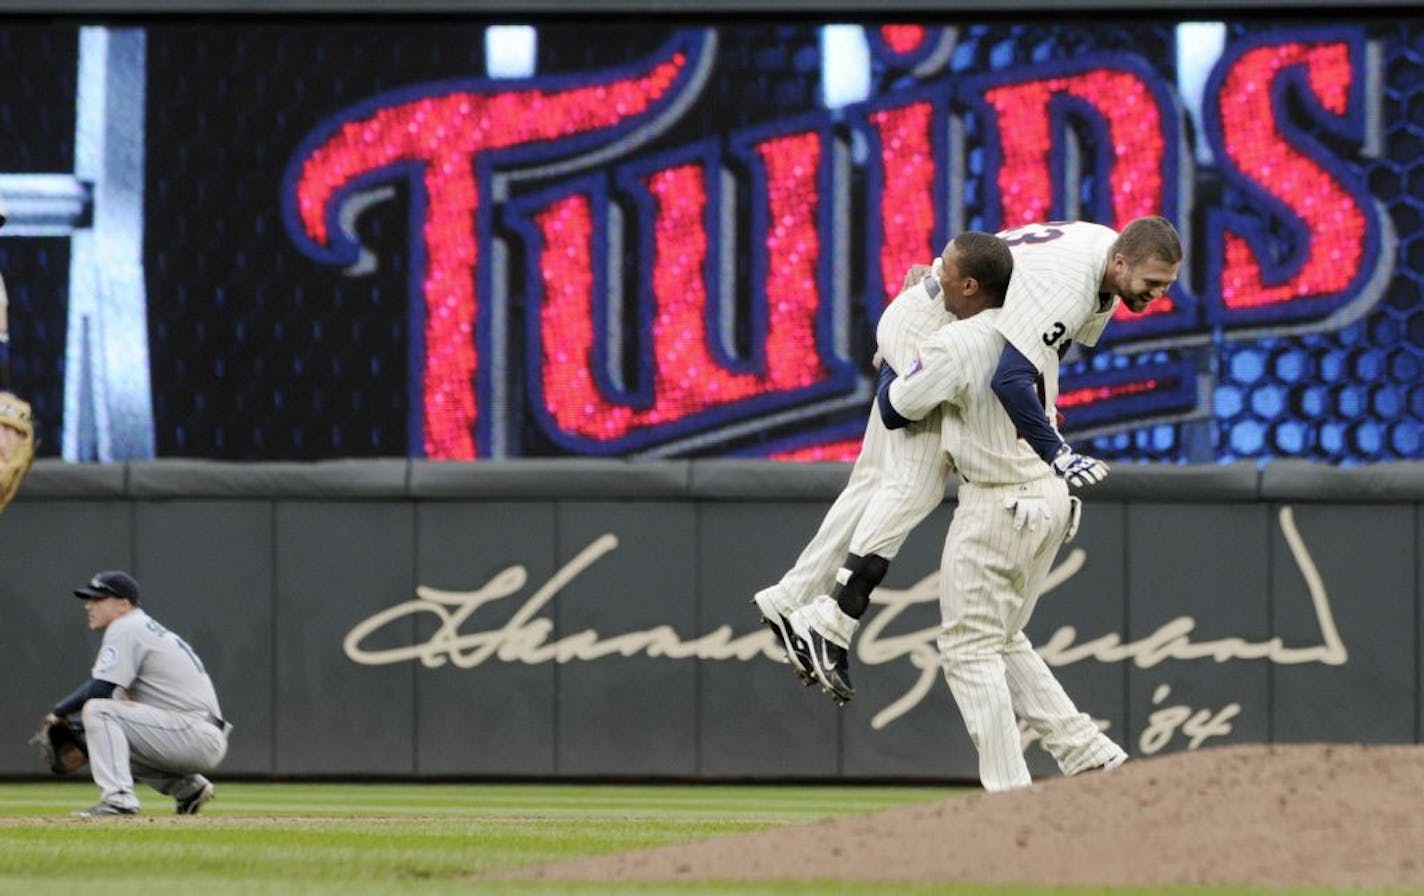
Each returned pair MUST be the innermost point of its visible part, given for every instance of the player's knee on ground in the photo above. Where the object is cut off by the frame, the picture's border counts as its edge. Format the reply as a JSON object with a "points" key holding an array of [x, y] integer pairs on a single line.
{"points": [[856, 580]]}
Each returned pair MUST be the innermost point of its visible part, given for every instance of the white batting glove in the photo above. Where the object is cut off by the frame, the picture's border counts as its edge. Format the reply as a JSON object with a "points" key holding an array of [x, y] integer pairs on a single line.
{"points": [[1079, 469], [1030, 512]]}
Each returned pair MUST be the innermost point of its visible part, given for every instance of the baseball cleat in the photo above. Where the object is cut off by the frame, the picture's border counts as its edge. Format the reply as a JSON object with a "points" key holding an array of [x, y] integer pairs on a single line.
{"points": [[200, 798], [796, 652], [830, 662], [1115, 762], [104, 810]]}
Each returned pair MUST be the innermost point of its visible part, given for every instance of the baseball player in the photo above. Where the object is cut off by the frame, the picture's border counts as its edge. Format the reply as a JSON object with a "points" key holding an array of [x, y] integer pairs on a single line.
{"points": [[166, 728], [907, 468], [1066, 284], [1068, 281], [1013, 514]]}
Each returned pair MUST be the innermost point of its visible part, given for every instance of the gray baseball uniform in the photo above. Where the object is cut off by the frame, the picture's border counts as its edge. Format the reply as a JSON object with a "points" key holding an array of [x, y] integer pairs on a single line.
{"points": [[909, 462], [1012, 515], [166, 729]]}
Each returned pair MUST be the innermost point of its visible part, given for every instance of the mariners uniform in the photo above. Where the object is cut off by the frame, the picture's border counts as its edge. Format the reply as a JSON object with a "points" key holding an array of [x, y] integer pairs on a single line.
{"points": [[911, 458], [1012, 516], [161, 724]]}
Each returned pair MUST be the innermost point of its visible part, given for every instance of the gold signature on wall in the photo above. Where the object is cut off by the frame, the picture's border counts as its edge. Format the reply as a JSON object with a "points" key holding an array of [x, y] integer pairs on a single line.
{"points": [[524, 637]]}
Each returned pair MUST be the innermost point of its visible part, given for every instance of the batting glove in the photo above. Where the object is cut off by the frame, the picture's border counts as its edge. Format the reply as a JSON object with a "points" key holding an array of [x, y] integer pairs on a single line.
{"points": [[1079, 469], [1028, 512]]}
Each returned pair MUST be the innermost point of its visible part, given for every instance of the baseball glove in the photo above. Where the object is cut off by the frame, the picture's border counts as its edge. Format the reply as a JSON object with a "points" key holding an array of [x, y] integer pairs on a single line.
{"points": [[17, 445], [61, 745]]}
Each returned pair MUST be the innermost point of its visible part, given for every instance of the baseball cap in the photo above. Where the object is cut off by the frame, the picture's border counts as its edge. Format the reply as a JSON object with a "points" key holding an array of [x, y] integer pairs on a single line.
{"points": [[110, 583]]}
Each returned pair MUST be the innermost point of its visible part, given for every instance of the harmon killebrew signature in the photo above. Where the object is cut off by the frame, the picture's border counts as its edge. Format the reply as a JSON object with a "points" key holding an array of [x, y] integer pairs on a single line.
{"points": [[525, 635]]}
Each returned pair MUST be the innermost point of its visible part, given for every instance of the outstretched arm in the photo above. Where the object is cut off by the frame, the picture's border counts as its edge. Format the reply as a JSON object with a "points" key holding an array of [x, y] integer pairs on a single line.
{"points": [[1015, 385]]}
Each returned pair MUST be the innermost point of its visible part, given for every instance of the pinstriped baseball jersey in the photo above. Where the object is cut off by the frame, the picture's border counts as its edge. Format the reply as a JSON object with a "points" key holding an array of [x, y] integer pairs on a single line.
{"points": [[954, 366], [1053, 296], [994, 564], [916, 313]]}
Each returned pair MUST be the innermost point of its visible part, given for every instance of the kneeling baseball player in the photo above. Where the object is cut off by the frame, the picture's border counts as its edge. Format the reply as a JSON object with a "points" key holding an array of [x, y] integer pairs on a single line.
{"points": [[149, 711]]}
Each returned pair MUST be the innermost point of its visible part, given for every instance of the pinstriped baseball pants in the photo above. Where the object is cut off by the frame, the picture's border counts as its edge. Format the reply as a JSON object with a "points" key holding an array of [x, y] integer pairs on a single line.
{"points": [[990, 581], [898, 479]]}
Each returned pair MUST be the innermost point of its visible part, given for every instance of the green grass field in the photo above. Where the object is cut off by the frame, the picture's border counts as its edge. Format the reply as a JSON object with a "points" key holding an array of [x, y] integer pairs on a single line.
{"points": [[353, 839]]}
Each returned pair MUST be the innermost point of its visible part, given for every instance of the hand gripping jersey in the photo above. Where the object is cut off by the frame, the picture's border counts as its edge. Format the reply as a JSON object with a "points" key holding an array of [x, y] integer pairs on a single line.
{"points": [[915, 314]]}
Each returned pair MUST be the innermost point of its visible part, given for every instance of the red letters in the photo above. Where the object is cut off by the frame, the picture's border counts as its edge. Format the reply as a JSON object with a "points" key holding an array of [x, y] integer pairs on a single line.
{"points": [[1331, 234], [687, 383], [441, 139]]}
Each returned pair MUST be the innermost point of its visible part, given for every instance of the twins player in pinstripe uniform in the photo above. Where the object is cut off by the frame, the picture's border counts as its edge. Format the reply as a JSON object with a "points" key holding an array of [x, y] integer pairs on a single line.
{"points": [[898, 478], [1012, 515], [1067, 279], [1013, 512]]}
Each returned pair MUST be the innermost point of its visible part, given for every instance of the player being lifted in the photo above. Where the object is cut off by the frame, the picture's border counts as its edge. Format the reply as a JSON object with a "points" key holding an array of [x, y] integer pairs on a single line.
{"points": [[1068, 279], [898, 478]]}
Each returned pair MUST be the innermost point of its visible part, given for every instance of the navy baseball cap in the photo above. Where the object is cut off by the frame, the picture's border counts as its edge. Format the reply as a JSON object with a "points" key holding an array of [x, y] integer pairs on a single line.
{"points": [[110, 583]]}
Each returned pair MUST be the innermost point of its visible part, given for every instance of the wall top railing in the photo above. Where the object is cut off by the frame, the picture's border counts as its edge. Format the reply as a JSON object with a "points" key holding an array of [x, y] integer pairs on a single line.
{"points": [[711, 480], [584, 7]]}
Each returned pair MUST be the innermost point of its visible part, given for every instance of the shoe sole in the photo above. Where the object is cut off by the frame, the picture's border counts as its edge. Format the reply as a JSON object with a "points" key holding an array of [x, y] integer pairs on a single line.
{"points": [[774, 620], [840, 698]]}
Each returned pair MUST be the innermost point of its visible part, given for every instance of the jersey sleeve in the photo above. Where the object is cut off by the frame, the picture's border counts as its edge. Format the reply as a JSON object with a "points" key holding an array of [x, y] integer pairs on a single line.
{"points": [[1039, 315], [118, 658], [936, 376]]}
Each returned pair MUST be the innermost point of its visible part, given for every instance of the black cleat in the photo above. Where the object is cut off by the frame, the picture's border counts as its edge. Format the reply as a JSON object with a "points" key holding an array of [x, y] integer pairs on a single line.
{"points": [[194, 804], [830, 662], [797, 653]]}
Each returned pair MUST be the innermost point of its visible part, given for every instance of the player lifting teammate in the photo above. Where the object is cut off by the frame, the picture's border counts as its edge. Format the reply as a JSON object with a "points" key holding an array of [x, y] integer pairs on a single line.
{"points": [[1067, 281]]}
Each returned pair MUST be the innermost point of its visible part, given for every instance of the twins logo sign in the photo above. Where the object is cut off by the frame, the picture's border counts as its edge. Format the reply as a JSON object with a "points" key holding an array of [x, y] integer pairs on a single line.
{"points": [[737, 312]]}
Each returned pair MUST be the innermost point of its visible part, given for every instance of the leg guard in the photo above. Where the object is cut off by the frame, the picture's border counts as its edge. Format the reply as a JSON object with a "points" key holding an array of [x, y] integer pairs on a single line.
{"points": [[855, 580]]}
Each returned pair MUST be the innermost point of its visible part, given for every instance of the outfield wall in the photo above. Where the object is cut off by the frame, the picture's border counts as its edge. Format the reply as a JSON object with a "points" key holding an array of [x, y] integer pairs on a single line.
{"points": [[590, 619]]}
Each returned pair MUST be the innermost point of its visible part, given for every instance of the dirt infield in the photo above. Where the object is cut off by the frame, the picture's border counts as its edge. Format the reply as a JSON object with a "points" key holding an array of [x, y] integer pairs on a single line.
{"points": [[1327, 815]]}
